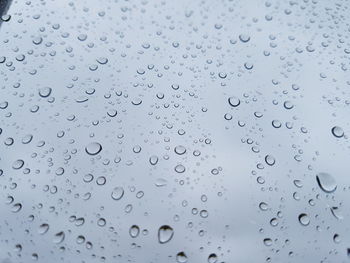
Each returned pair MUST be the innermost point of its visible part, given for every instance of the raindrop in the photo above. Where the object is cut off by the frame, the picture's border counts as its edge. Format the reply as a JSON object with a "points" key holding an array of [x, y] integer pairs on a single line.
{"points": [[59, 237], [117, 193], [234, 101], [270, 160], [337, 132], [213, 258], [326, 182], [165, 234], [181, 257], [45, 92], [18, 164], [43, 228], [180, 149], [244, 38], [304, 219], [180, 168], [93, 148], [134, 231]]}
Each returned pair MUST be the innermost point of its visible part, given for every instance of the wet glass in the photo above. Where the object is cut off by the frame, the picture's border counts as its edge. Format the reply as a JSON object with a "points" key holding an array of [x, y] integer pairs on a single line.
{"points": [[174, 131]]}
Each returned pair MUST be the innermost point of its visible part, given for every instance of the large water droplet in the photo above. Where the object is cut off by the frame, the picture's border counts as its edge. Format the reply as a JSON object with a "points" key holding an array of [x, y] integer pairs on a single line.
{"points": [[18, 164], [337, 132], [234, 101], [180, 168], [134, 231], [270, 160], [181, 257], [304, 219], [212, 258], [165, 234], [326, 182], [59, 237], [45, 92], [93, 148], [180, 149], [43, 228], [117, 193]]}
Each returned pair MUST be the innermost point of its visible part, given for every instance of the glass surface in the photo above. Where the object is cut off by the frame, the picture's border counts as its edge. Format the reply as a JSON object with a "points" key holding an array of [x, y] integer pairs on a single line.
{"points": [[174, 131]]}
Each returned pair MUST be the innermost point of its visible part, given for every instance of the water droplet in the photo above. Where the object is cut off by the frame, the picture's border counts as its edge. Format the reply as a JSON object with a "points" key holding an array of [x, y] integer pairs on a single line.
{"points": [[337, 132], [59, 237], [93, 148], [180, 168], [180, 149], [336, 212], [117, 193], [336, 239], [153, 160], [234, 101], [270, 160], [161, 182], [101, 222], [181, 257], [43, 228], [244, 38], [18, 164], [45, 92], [212, 258], [16, 208], [326, 182], [134, 231], [304, 219], [165, 234]]}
